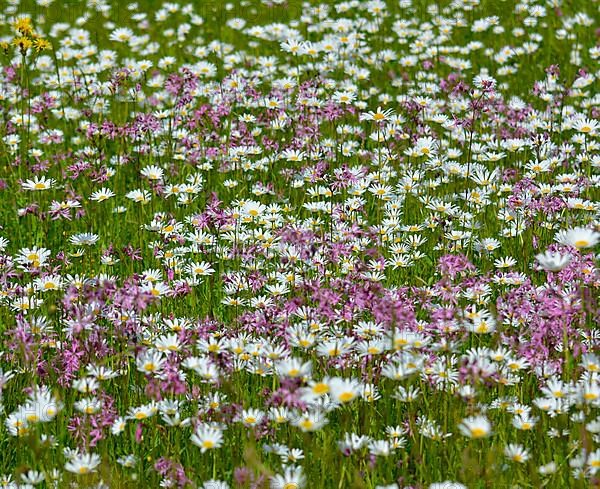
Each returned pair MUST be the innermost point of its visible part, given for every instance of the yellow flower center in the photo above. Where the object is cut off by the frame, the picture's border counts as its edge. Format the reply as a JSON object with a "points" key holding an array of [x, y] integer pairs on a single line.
{"points": [[346, 396], [482, 328], [321, 388]]}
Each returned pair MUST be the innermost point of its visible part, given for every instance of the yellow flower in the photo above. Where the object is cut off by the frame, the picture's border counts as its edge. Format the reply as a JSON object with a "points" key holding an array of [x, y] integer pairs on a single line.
{"points": [[23, 26], [42, 44], [23, 43]]}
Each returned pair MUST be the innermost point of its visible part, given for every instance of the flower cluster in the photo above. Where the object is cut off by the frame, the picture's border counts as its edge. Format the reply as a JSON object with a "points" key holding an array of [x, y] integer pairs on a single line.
{"points": [[268, 244]]}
